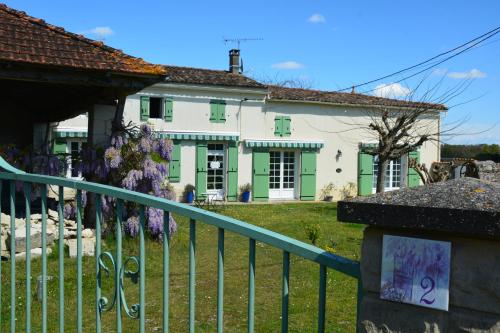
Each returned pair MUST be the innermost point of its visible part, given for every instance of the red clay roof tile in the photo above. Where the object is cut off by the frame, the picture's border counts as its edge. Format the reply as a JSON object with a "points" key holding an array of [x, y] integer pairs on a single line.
{"points": [[24, 38]]}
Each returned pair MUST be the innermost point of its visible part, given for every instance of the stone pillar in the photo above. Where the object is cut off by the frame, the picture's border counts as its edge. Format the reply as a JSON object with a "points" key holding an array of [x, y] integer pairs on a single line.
{"points": [[464, 212]]}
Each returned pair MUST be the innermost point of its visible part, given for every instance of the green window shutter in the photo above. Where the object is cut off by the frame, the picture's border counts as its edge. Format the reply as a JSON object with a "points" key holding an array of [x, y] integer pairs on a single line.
{"points": [[174, 165], [278, 126], [260, 179], [287, 131], [214, 111], [59, 147], [413, 177], [201, 169], [168, 109], [365, 174], [307, 175], [144, 108], [221, 112], [232, 172]]}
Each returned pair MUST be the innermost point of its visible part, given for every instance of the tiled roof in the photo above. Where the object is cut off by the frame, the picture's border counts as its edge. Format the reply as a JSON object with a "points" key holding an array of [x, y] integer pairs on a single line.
{"points": [[27, 39], [189, 75], [308, 95]]}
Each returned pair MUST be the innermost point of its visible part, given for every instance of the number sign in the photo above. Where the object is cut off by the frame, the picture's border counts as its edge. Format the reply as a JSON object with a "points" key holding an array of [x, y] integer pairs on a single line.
{"points": [[416, 271]]}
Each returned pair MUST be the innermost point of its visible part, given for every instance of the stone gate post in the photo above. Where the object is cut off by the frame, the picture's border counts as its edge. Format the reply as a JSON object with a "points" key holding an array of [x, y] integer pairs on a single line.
{"points": [[405, 248]]}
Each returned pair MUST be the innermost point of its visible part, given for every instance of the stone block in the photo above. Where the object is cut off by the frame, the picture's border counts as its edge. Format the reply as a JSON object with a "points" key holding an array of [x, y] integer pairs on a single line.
{"points": [[380, 316], [52, 214], [36, 239], [475, 268], [35, 253], [87, 233], [88, 247]]}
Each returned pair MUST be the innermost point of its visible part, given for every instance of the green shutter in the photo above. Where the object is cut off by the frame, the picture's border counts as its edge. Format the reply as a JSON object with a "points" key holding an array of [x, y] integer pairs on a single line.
{"points": [[365, 174], [260, 187], [232, 172], [144, 108], [413, 177], [168, 109], [201, 169], [278, 125], [221, 112], [60, 147], [214, 111], [307, 175], [287, 131], [174, 173]]}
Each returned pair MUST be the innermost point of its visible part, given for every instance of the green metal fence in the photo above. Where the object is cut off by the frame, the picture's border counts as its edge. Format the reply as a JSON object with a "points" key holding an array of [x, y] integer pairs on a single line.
{"points": [[118, 303]]}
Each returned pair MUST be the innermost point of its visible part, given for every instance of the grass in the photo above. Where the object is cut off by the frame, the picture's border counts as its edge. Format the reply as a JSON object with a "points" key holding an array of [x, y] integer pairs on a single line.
{"points": [[288, 219]]}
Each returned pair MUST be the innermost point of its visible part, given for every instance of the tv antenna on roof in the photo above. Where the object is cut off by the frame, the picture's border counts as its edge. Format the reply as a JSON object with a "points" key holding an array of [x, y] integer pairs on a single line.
{"points": [[238, 41]]}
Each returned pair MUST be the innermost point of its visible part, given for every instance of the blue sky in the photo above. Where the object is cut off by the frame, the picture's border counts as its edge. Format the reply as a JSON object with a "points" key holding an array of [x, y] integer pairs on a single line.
{"points": [[329, 44]]}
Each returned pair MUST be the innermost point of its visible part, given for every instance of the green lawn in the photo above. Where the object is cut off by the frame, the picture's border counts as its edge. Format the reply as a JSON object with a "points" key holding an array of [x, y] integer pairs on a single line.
{"points": [[288, 219]]}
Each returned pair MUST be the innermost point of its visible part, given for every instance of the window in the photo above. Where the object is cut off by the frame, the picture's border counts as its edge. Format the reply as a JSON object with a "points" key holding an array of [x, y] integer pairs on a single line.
{"points": [[392, 175], [155, 107], [217, 111], [215, 167], [282, 126], [74, 150]]}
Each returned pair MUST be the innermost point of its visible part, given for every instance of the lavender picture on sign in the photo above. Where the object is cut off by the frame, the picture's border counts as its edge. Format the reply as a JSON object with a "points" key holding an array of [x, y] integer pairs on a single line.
{"points": [[416, 271]]}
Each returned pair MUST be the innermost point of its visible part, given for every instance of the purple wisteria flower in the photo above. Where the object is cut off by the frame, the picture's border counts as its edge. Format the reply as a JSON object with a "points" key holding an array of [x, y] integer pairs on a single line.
{"points": [[155, 222], [113, 158], [132, 226]]}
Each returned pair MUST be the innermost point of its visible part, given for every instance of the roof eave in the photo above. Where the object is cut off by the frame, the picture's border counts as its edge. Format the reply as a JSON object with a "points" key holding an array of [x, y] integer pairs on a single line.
{"points": [[279, 100]]}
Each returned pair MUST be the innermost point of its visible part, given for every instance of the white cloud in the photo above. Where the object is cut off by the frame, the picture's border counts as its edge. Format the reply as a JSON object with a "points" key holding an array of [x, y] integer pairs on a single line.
{"points": [[317, 18], [288, 65], [101, 32], [391, 90], [440, 71], [472, 74]]}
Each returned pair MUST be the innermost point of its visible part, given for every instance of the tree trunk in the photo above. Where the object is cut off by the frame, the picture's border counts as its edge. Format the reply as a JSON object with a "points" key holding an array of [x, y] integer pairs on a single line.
{"points": [[381, 174]]}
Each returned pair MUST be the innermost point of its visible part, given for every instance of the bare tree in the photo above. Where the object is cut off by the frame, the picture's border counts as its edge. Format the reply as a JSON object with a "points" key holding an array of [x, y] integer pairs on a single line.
{"points": [[401, 128], [288, 82]]}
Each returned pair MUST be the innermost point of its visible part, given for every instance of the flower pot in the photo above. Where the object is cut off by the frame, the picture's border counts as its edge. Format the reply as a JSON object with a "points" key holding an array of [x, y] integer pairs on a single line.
{"points": [[189, 197], [245, 196], [328, 198]]}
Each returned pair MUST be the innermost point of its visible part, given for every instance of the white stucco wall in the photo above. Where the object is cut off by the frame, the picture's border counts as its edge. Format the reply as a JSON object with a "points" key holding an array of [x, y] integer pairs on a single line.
{"points": [[340, 128], [248, 115]]}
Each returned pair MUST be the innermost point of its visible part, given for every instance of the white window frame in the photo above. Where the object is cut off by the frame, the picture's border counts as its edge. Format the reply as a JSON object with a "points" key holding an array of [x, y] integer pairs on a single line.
{"points": [[394, 169], [282, 193], [69, 162]]}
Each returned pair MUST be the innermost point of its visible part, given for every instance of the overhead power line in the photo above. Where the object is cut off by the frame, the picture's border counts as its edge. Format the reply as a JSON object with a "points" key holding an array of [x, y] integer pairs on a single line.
{"points": [[468, 45]]}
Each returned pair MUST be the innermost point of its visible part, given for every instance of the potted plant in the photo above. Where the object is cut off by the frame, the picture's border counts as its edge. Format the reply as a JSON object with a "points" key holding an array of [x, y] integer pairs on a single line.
{"points": [[245, 192], [326, 192], [189, 193]]}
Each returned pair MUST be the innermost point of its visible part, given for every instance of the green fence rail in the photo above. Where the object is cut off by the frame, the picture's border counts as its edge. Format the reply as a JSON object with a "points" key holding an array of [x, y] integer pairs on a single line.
{"points": [[11, 175]]}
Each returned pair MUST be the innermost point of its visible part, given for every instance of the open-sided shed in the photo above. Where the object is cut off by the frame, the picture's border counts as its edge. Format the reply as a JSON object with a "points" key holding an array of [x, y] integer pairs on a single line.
{"points": [[48, 74]]}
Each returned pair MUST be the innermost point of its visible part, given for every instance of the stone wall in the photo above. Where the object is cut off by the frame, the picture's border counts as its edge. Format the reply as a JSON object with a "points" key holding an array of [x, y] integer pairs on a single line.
{"points": [[474, 288], [52, 233], [489, 170]]}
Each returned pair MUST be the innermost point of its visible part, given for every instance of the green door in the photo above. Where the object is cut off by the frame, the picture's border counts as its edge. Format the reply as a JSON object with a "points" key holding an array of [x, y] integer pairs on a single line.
{"points": [[307, 175], [365, 174], [260, 187], [413, 177], [201, 169], [232, 171]]}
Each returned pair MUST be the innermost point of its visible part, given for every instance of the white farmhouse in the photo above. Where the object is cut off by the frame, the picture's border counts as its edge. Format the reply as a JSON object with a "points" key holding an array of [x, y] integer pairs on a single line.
{"points": [[288, 143]]}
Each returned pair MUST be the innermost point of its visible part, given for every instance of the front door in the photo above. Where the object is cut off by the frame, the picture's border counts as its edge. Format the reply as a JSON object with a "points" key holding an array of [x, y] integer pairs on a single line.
{"points": [[215, 170], [281, 175]]}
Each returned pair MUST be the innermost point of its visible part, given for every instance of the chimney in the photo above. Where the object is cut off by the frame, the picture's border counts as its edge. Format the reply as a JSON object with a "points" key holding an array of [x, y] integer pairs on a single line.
{"points": [[234, 61]]}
